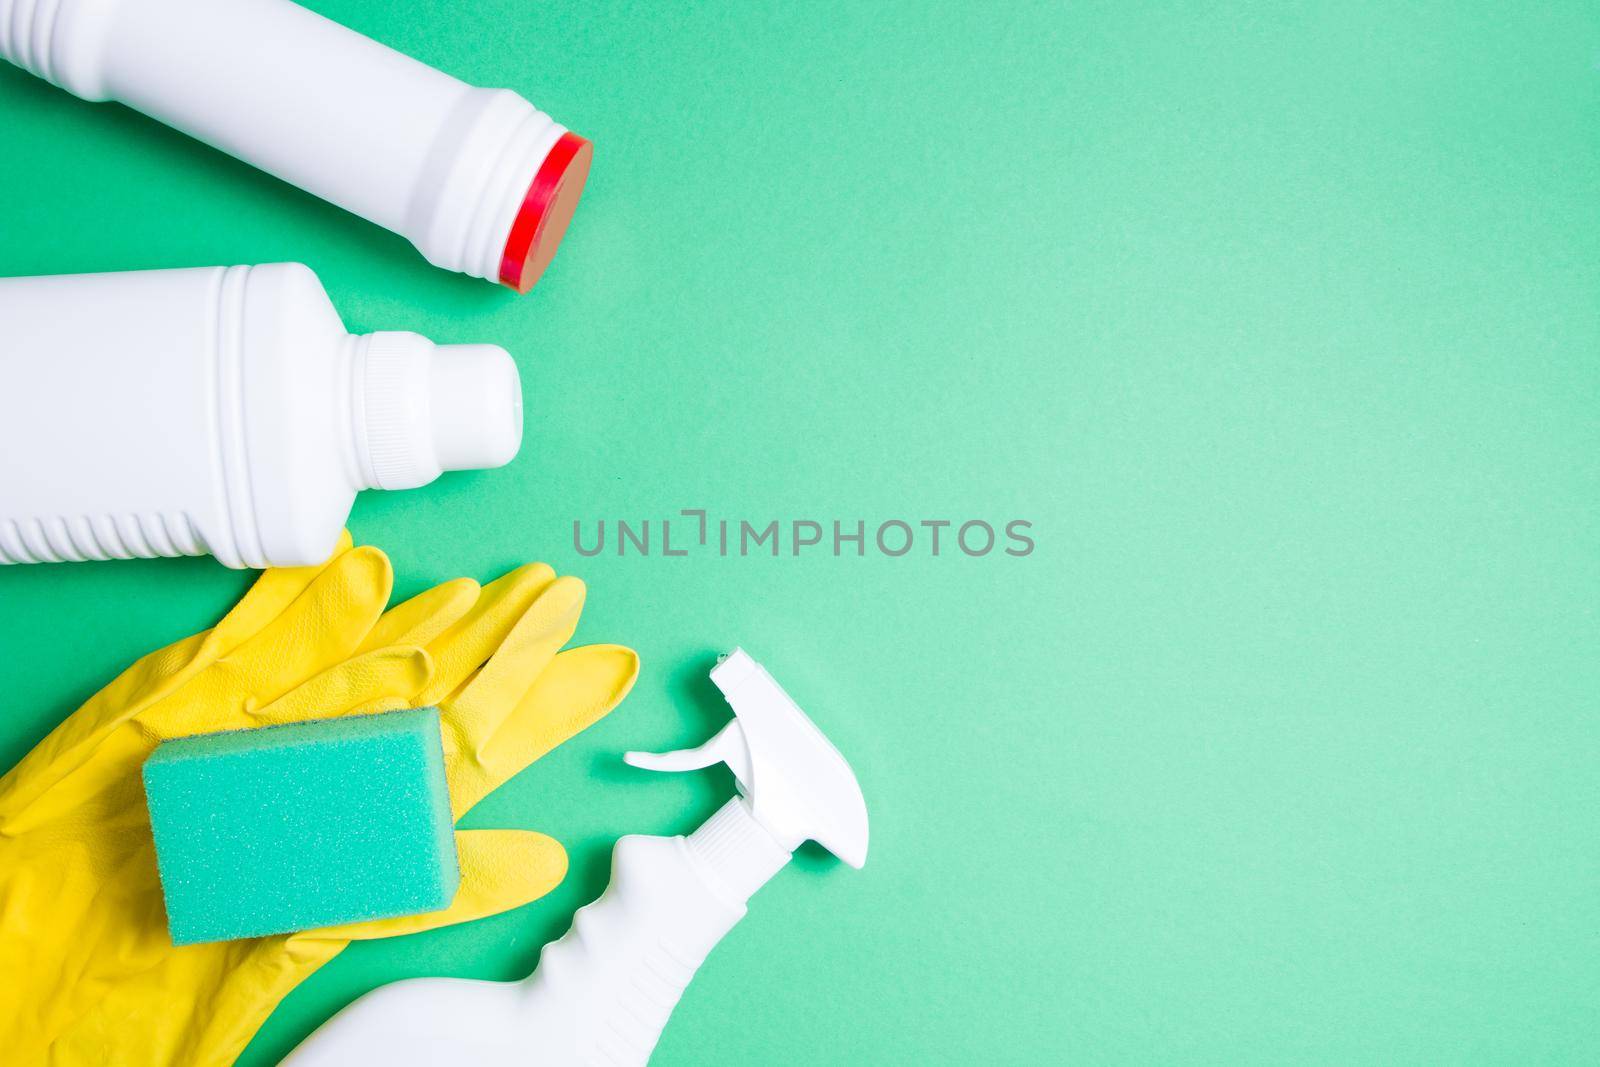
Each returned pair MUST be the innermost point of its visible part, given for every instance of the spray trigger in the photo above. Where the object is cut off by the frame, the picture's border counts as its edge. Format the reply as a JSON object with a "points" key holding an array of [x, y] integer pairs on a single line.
{"points": [[794, 782], [728, 746]]}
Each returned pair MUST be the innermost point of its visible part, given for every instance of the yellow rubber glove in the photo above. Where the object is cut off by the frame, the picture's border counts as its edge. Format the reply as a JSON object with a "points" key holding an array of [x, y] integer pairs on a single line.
{"points": [[87, 972]]}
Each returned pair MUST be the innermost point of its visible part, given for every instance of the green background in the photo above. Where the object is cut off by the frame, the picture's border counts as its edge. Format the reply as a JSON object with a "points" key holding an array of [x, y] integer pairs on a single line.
{"points": [[1280, 324]]}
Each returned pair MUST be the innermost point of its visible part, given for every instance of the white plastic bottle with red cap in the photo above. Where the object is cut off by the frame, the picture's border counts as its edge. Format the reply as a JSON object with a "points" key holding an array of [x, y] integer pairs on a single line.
{"points": [[480, 180], [221, 410]]}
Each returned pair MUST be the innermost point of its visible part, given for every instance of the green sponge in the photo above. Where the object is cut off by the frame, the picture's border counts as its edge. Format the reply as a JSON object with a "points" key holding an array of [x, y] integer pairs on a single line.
{"points": [[293, 827]]}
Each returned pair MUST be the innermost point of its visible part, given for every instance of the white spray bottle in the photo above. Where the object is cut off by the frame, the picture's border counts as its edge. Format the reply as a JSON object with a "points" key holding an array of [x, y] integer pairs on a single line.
{"points": [[603, 993]]}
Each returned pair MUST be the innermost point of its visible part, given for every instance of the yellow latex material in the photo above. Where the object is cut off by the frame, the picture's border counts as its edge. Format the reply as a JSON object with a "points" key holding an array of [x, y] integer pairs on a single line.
{"points": [[87, 972]]}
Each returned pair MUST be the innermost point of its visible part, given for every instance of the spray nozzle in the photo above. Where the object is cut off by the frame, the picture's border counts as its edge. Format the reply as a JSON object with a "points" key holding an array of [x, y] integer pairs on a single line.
{"points": [[795, 782]]}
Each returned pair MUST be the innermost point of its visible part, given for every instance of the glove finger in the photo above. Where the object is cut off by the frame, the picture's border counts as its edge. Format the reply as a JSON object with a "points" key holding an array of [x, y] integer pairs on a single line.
{"points": [[579, 687], [500, 870], [425, 616], [474, 712], [208, 681], [270, 597], [70, 743], [465, 646], [324, 625], [158, 674], [381, 680]]}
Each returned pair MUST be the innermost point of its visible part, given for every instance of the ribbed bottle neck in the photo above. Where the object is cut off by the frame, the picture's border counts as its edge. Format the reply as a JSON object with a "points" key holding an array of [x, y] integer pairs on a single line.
{"points": [[735, 848], [395, 405], [388, 411], [28, 35], [463, 222], [418, 409]]}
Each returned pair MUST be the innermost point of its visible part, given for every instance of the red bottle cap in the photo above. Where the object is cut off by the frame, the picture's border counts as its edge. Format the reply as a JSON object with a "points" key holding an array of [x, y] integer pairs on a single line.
{"points": [[542, 220]]}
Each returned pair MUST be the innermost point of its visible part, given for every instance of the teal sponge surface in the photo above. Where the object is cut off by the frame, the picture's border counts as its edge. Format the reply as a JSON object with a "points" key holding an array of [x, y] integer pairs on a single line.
{"points": [[294, 827]]}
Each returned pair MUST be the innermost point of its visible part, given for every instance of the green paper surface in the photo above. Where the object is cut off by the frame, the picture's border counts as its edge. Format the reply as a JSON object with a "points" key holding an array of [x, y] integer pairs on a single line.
{"points": [[1278, 323]]}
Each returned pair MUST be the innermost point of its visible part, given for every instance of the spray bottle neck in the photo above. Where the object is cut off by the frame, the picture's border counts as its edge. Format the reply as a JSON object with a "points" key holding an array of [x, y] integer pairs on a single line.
{"points": [[737, 851]]}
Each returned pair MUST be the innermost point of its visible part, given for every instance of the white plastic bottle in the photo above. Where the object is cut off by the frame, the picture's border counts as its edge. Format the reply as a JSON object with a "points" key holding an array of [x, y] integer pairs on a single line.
{"points": [[222, 410], [478, 179]]}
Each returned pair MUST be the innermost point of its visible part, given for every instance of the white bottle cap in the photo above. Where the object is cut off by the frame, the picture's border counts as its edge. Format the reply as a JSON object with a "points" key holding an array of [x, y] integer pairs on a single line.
{"points": [[477, 407], [423, 408]]}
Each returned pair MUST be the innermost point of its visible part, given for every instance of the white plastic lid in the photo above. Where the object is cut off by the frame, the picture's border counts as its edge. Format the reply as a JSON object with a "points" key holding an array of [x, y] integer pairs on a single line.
{"points": [[477, 407], [424, 408]]}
